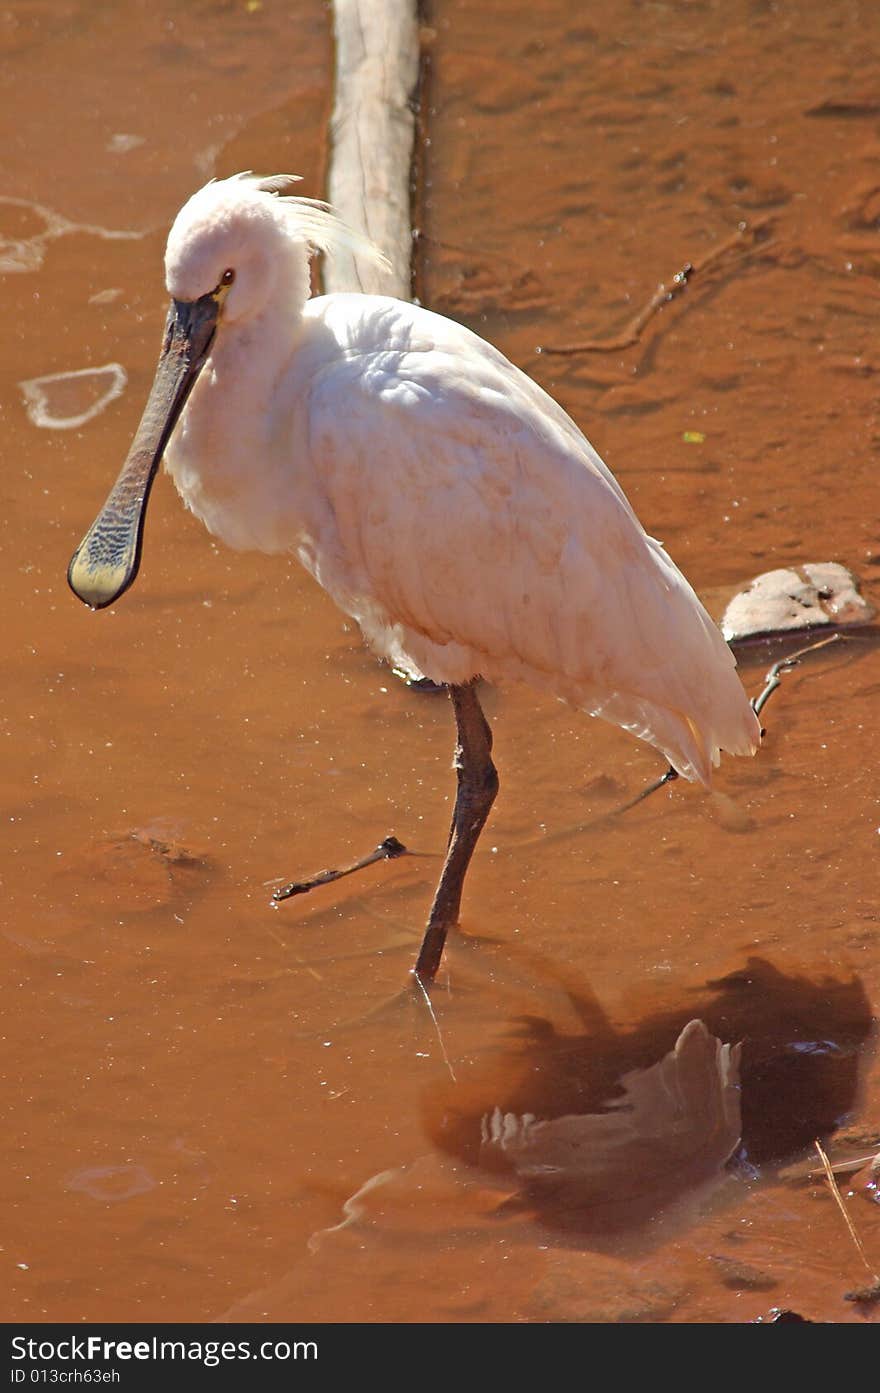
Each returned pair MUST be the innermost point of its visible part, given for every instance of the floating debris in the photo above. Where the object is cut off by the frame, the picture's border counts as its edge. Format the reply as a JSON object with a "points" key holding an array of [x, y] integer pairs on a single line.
{"points": [[105, 297], [858, 106], [138, 870], [66, 400], [122, 143], [815, 595], [864, 1296], [741, 1276], [804, 1171], [111, 1184], [29, 253], [353, 1209]]}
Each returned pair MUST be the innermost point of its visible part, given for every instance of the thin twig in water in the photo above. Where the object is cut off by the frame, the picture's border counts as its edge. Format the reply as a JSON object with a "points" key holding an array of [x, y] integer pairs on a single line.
{"points": [[563, 834], [745, 235], [773, 678], [388, 850], [871, 1293], [669, 777]]}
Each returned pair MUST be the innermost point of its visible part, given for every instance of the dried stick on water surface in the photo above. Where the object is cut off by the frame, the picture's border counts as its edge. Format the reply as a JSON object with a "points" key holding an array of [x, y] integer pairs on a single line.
{"points": [[669, 777], [871, 1293], [745, 236], [773, 678], [387, 850]]}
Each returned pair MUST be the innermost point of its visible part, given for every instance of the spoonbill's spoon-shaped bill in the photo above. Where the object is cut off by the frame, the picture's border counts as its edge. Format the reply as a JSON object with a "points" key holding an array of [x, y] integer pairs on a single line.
{"points": [[107, 559]]}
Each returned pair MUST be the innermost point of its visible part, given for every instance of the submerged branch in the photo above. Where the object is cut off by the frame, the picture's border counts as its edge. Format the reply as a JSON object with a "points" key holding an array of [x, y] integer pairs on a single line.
{"points": [[745, 236]]}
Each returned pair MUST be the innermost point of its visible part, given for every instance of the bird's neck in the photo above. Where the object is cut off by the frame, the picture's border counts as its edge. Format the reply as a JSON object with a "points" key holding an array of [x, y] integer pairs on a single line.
{"points": [[230, 455]]}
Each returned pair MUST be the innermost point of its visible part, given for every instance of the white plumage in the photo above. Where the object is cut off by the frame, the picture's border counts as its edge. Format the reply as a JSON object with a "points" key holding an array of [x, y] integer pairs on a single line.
{"points": [[439, 495]]}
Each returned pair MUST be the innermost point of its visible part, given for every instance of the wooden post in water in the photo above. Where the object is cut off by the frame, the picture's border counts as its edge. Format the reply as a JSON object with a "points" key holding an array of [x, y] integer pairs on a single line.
{"points": [[372, 132]]}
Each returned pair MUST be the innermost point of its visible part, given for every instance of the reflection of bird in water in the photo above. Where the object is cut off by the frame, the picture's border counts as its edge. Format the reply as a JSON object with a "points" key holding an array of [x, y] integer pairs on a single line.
{"points": [[436, 492], [605, 1129], [673, 1128]]}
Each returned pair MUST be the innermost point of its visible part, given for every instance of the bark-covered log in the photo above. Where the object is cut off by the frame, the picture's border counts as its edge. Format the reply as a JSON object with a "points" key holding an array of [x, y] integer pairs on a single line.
{"points": [[372, 133]]}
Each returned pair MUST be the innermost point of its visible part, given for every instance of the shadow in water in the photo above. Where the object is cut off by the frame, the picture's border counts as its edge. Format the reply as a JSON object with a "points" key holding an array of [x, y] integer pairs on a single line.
{"points": [[607, 1130]]}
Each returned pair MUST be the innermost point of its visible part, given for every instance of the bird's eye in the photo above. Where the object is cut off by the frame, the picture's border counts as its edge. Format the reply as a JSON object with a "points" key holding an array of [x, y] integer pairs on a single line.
{"points": [[228, 277]]}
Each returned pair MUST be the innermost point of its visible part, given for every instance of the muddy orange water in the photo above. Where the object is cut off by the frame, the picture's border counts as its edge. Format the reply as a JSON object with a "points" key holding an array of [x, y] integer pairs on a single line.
{"points": [[216, 1108]]}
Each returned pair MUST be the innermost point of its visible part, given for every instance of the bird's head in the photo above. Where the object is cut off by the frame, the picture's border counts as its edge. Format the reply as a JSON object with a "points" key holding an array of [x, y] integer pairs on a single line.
{"points": [[227, 245], [236, 249]]}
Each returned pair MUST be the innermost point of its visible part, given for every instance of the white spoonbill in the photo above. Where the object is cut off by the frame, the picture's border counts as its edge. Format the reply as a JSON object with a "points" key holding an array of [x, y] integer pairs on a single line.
{"points": [[442, 499]]}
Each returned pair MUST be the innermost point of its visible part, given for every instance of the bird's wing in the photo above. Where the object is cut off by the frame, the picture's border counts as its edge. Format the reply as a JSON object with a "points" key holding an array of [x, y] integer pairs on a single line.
{"points": [[470, 511]]}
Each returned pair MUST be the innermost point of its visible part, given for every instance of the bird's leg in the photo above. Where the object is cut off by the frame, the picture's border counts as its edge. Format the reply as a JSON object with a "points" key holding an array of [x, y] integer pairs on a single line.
{"points": [[477, 787]]}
